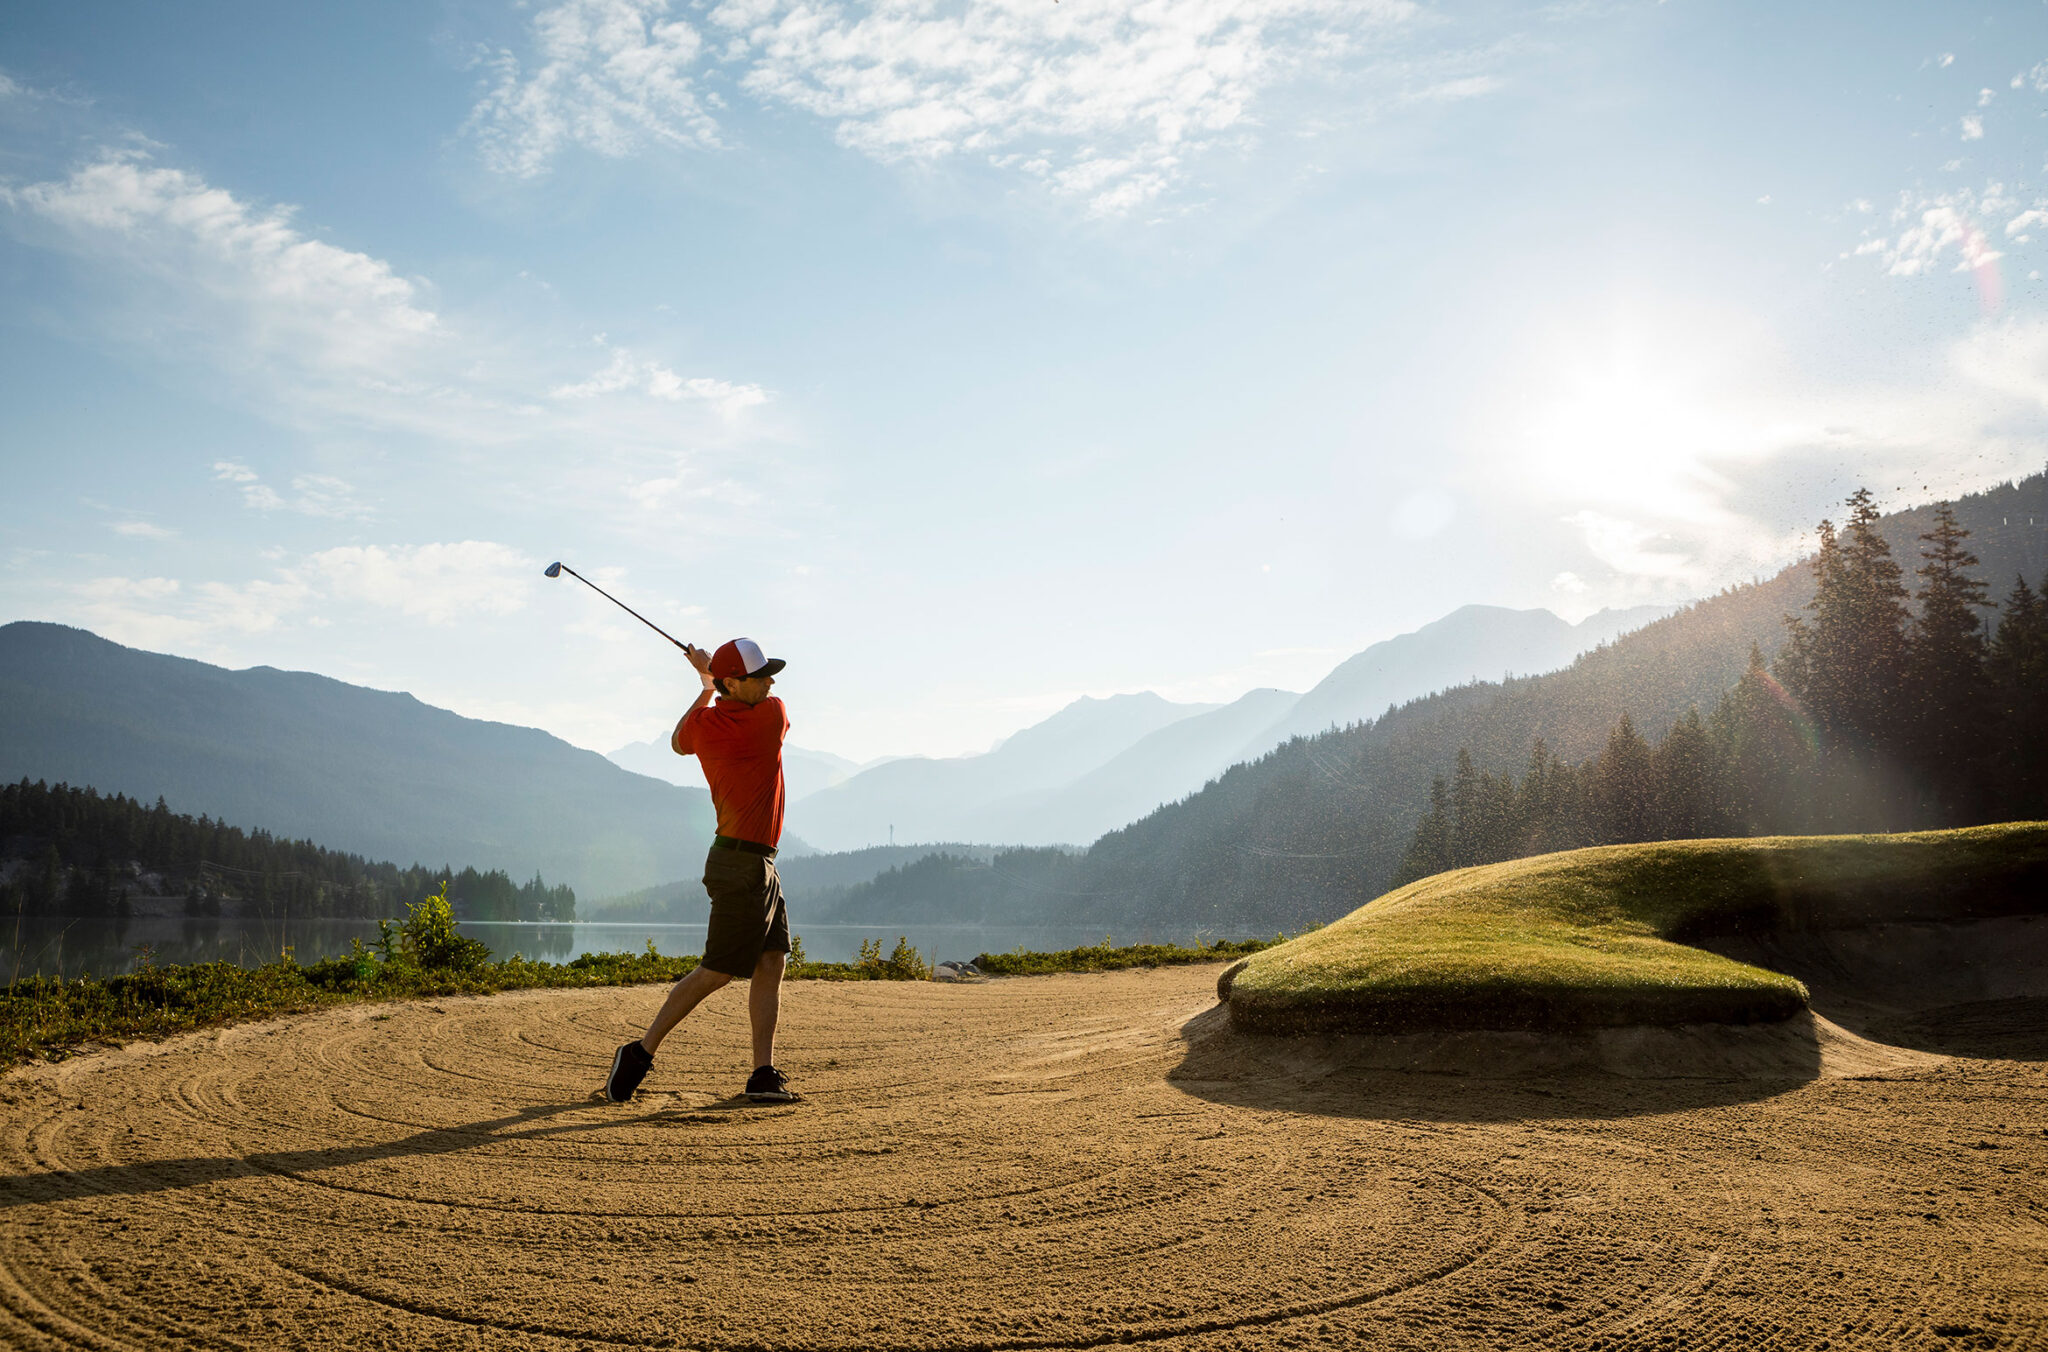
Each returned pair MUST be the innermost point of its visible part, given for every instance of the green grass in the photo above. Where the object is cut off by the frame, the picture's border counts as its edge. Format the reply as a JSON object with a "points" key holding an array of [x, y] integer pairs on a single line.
{"points": [[1103, 957], [48, 1018], [1600, 937]]}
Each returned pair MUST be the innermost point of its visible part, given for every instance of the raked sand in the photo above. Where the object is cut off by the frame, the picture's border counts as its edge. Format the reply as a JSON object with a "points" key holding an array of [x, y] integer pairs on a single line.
{"points": [[1057, 1162]]}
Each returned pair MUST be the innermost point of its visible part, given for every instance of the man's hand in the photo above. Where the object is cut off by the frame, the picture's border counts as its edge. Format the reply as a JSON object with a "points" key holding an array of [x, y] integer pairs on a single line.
{"points": [[701, 660]]}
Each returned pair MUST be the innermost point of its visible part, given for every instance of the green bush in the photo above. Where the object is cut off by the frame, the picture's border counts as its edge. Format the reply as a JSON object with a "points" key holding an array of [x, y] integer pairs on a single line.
{"points": [[427, 937]]}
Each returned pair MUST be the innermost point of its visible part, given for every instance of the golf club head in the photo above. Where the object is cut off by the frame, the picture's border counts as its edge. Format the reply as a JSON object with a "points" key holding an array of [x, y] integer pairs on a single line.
{"points": [[554, 570]]}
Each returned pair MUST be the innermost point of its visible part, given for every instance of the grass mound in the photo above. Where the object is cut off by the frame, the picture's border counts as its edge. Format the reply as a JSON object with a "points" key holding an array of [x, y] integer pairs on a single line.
{"points": [[1602, 937]]}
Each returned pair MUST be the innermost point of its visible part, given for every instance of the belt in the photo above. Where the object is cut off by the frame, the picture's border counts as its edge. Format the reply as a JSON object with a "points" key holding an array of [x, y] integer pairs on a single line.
{"points": [[744, 846]]}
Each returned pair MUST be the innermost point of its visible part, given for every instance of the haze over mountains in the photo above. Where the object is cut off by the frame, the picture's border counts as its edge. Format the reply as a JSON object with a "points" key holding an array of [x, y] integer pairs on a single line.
{"points": [[366, 771], [1100, 764], [1318, 827], [383, 775]]}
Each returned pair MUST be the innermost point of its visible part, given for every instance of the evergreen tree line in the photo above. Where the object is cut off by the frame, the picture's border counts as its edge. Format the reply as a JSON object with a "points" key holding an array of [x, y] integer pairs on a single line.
{"points": [[1884, 711], [81, 852]]}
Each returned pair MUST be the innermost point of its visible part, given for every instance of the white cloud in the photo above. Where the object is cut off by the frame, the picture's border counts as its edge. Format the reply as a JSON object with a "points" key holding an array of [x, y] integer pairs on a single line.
{"points": [[1570, 584], [1937, 226], [1973, 128], [1103, 102], [163, 613], [1945, 60], [1467, 87], [610, 75], [2026, 220], [327, 342], [686, 485], [2010, 357], [1984, 97], [1634, 550], [281, 289], [658, 382], [128, 588], [319, 495], [324, 495], [144, 530], [1113, 97], [2038, 77], [437, 583], [1670, 445]]}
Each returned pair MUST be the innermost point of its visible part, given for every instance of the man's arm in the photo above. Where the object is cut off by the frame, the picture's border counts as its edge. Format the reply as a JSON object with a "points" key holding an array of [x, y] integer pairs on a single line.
{"points": [[679, 741]]}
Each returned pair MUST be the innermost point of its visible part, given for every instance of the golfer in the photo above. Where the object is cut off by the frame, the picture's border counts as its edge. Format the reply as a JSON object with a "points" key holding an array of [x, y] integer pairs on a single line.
{"points": [[739, 741]]}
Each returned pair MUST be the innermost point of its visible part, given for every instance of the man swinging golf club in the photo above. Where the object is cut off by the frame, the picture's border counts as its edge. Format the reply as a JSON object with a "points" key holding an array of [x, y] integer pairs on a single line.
{"points": [[739, 741]]}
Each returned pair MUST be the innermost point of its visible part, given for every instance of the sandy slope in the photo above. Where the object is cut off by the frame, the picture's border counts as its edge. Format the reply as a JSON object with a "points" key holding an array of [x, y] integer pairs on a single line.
{"points": [[1056, 1162]]}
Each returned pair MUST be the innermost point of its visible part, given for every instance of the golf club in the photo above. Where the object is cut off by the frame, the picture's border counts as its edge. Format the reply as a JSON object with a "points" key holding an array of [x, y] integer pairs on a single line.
{"points": [[558, 568]]}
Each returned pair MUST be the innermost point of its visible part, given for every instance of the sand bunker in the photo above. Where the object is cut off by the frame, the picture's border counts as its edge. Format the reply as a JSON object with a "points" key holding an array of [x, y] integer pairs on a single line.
{"points": [[1057, 1162]]}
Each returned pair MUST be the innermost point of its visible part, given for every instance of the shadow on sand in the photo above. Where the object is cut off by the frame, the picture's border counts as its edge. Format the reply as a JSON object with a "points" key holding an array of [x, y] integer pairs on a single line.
{"points": [[1474, 1076], [528, 1124]]}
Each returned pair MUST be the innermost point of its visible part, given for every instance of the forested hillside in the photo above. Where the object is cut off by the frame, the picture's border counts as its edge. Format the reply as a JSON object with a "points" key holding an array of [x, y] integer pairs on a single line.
{"points": [[1891, 708], [370, 771], [72, 851], [1322, 824]]}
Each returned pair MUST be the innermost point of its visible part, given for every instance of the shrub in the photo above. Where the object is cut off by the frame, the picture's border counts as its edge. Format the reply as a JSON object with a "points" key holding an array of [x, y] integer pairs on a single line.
{"points": [[427, 937], [904, 963]]}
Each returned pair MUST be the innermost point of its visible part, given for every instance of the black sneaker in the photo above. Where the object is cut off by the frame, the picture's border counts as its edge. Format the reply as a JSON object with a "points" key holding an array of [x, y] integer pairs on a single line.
{"points": [[769, 1085], [630, 1065]]}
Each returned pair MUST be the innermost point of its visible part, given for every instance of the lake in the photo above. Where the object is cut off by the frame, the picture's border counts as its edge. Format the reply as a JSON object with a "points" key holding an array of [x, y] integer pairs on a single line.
{"points": [[104, 947]]}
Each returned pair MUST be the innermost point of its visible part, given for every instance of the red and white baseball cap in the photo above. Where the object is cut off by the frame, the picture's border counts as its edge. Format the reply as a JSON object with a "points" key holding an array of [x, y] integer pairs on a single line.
{"points": [[741, 658]]}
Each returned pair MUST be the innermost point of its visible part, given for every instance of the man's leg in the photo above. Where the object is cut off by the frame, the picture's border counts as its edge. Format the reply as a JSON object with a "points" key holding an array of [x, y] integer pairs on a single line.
{"points": [[683, 997], [764, 1004]]}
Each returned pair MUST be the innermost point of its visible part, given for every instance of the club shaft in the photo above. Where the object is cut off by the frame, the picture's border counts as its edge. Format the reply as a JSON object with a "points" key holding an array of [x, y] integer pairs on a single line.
{"points": [[623, 606]]}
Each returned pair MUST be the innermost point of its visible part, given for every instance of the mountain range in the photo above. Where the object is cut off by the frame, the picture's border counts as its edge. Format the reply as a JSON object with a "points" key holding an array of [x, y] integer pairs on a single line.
{"points": [[1099, 764], [1318, 826], [366, 771]]}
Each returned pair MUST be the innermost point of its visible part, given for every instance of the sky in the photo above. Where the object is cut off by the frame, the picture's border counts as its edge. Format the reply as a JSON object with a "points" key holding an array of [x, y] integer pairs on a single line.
{"points": [[977, 355]]}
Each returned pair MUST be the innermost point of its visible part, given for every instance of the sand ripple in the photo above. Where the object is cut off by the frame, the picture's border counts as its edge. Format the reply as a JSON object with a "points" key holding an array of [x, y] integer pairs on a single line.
{"points": [[1024, 1164]]}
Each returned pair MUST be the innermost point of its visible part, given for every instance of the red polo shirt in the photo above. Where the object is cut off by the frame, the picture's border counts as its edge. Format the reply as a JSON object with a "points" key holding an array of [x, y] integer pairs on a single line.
{"points": [[740, 747]]}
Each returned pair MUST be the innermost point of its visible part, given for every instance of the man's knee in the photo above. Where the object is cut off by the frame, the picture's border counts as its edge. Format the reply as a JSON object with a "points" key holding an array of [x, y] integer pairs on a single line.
{"points": [[771, 964], [705, 978]]}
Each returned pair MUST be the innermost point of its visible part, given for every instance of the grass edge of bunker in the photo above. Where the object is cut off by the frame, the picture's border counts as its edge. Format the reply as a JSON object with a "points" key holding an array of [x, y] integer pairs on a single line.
{"points": [[1605, 936]]}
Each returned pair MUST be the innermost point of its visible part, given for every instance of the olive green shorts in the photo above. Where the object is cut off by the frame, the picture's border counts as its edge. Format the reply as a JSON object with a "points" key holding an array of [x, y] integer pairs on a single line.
{"points": [[748, 917]]}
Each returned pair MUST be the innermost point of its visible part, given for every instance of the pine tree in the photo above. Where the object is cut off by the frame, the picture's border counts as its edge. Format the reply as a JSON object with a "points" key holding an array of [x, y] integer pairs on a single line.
{"points": [[1464, 810], [1946, 685], [1766, 755], [2017, 678], [1687, 775], [1430, 850], [1624, 787], [1845, 666], [1534, 805]]}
